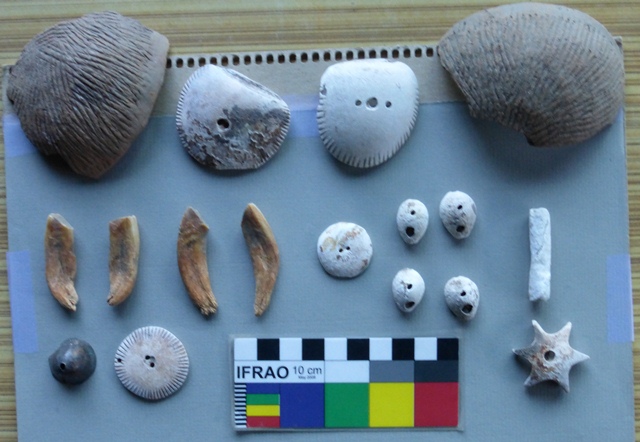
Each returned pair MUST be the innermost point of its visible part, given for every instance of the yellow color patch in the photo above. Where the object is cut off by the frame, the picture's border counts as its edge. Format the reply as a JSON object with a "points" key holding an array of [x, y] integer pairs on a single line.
{"points": [[391, 404], [263, 410]]}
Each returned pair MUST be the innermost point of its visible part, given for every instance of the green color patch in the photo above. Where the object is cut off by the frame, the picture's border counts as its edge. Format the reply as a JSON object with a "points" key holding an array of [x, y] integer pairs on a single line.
{"points": [[263, 399], [346, 405]]}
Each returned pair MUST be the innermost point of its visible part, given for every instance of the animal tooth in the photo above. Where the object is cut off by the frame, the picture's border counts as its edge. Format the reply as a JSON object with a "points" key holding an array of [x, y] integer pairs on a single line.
{"points": [[60, 261], [192, 261], [123, 258], [264, 255]]}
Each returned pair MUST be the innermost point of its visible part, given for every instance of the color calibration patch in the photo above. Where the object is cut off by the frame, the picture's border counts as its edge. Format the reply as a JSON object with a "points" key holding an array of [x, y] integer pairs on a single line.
{"points": [[332, 383]]}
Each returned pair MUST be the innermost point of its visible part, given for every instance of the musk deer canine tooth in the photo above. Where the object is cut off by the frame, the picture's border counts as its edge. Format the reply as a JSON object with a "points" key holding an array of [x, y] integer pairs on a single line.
{"points": [[264, 255], [192, 261], [124, 252], [60, 261]]}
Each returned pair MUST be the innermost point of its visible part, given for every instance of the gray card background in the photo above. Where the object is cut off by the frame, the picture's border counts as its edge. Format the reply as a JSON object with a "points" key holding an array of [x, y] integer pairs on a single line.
{"points": [[301, 191]]}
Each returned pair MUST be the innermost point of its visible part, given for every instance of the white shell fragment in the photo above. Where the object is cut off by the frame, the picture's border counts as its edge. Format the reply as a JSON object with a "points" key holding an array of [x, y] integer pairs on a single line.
{"points": [[540, 245], [367, 110], [458, 214], [551, 357], [553, 73], [412, 220], [407, 289], [152, 363], [228, 121], [344, 250], [462, 297]]}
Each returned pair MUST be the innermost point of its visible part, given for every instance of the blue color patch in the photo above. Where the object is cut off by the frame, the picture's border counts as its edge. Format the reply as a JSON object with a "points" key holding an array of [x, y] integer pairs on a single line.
{"points": [[15, 141], [263, 388], [23, 313], [302, 406], [303, 124], [619, 299]]}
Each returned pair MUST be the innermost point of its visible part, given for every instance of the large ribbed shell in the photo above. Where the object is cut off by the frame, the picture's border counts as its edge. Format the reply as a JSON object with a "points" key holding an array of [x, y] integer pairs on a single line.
{"points": [[84, 89], [550, 72]]}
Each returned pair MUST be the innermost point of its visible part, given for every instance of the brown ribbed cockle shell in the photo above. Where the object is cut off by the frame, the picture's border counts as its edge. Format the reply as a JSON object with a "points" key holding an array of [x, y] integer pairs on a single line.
{"points": [[84, 89], [553, 73]]}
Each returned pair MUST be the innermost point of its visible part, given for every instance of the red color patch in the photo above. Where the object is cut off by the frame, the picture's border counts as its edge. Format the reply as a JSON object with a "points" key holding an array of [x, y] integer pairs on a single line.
{"points": [[263, 421], [436, 404]]}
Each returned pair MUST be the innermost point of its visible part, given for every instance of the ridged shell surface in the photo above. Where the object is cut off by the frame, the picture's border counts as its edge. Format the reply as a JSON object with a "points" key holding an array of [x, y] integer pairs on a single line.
{"points": [[367, 110], [228, 121], [553, 73], [152, 363], [84, 89]]}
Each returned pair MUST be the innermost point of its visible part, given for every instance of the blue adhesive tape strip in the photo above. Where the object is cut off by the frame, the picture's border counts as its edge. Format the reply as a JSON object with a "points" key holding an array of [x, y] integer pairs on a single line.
{"points": [[23, 313], [619, 299], [303, 115], [303, 124], [15, 141]]}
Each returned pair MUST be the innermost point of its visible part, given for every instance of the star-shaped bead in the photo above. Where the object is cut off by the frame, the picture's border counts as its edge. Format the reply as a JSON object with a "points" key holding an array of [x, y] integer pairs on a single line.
{"points": [[551, 356]]}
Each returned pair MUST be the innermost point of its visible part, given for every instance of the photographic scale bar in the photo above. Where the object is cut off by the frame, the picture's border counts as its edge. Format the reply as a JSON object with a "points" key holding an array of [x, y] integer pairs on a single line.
{"points": [[333, 383]]}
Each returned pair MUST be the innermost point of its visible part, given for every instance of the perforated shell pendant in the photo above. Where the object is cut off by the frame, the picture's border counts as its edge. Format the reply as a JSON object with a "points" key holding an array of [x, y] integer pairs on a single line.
{"points": [[152, 363], [553, 73], [228, 121], [85, 88], [367, 110]]}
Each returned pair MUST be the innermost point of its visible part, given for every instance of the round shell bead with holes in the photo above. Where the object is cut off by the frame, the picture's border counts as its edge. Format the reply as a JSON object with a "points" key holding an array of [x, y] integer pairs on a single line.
{"points": [[344, 250]]}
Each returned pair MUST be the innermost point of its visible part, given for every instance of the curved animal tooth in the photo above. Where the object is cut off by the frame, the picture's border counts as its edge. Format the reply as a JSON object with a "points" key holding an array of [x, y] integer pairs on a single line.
{"points": [[152, 363], [60, 261], [124, 252], [265, 255], [367, 110], [553, 73], [228, 121], [192, 261], [85, 88], [344, 250]]}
